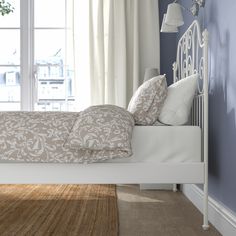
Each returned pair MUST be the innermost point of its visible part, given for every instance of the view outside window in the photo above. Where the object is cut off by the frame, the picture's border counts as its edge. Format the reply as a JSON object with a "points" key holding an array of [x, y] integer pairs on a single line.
{"points": [[54, 72], [10, 59], [52, 47]]}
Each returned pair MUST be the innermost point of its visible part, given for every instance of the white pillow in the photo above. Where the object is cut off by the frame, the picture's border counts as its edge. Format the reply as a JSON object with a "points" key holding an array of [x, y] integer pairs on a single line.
{"points": [[177, 106]]}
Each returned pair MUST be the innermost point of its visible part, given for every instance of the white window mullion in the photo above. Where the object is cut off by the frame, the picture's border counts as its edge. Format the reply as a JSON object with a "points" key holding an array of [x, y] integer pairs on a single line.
{"points": [[27, 55]]}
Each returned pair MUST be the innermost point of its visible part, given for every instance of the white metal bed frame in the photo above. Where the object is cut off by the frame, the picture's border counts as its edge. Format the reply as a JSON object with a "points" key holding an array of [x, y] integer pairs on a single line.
{"points": [[192, 57], [190, 47]]}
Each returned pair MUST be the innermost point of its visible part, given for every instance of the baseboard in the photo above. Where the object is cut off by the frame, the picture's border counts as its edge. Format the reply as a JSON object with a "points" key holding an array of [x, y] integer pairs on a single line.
{"points": [[219, 216]]}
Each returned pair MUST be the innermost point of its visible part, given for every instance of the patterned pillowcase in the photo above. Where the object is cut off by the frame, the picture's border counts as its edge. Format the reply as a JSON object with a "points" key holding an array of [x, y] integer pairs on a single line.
{"points": [[147, 102]]}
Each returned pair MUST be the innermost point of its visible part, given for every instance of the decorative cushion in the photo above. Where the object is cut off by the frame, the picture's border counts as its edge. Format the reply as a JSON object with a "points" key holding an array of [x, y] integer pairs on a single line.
{"points": [[147, 101], [177, 106]]}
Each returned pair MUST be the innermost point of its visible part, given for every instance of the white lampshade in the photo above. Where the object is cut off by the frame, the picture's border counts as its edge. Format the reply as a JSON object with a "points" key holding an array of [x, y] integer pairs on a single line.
{"points": [[167, 28], [174, 15], [150, 73]]}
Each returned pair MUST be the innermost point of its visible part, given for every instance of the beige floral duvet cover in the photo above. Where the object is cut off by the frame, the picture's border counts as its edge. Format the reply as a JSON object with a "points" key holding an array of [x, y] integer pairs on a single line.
{"points": [[97, 134]]}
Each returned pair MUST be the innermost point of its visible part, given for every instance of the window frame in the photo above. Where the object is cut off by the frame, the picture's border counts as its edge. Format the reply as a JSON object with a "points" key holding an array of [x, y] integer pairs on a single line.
{"points": [[27, 54]]}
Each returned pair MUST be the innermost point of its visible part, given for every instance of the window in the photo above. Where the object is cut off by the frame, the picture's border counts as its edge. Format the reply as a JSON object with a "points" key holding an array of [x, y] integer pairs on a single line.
{"points": [[40, 54]]}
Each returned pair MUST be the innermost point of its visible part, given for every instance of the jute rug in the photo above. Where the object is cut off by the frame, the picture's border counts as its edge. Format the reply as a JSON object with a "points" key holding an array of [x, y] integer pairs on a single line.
{"points": [[69, 210]]}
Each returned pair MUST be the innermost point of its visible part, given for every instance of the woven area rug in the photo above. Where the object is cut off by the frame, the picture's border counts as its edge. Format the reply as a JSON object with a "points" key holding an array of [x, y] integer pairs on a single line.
{"points": [[58, 210]]}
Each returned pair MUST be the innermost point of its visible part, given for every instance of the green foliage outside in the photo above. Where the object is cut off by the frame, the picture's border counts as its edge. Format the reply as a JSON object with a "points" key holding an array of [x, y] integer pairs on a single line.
{"points": [[5, 8]]}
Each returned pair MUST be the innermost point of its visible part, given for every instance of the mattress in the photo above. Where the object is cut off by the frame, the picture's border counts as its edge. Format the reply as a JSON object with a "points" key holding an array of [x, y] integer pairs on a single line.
{"points": [[164, 144]]}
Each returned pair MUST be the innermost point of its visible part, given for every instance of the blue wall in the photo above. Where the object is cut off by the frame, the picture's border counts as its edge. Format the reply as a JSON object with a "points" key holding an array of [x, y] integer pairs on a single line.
{"points": [[167, 45], [219, 18]]}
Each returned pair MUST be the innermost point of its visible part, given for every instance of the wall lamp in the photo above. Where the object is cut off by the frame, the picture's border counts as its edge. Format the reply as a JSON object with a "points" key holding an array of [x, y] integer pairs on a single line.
{"points": [[174, 17]]}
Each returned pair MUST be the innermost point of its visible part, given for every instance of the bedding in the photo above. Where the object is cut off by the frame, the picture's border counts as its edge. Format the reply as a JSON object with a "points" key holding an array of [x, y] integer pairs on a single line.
{"points": [[147, 101], [178, 103], [160, 144], [102, 129], [48, 136]]}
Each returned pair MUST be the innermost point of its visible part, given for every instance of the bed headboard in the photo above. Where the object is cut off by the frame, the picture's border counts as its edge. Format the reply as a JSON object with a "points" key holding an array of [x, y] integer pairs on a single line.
{"points": [[192, 57]]}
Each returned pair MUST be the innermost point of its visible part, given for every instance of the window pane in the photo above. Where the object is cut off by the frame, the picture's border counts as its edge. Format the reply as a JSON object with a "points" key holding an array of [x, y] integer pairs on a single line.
{"points": [[12, 19], [9, 88], [49, 13], [10, 47], [53, 58], [49, 45]]}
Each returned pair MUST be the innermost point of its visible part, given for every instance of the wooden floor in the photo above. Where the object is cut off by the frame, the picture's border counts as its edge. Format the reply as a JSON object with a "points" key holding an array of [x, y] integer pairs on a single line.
{"points": [[158, 213]]}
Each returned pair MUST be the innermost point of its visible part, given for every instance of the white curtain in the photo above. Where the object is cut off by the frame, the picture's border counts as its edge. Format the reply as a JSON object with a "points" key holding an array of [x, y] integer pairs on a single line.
{"points": [[113, 42]]}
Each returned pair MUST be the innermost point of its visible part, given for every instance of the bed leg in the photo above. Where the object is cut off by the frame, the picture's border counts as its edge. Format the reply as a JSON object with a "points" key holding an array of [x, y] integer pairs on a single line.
{"points": [[205, 225], [175, 188]]}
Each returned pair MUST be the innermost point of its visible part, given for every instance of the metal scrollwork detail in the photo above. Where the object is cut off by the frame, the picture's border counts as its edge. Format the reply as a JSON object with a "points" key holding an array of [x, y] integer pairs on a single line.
{"points": [[201, 75], [189, 65], [189, 39], [184, 46], [190, 55]]}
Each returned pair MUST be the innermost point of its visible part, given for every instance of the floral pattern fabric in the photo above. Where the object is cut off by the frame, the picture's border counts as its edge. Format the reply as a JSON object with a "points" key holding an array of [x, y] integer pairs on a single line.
{"points": [[102, 127], [43, 137], [147, 101]]}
